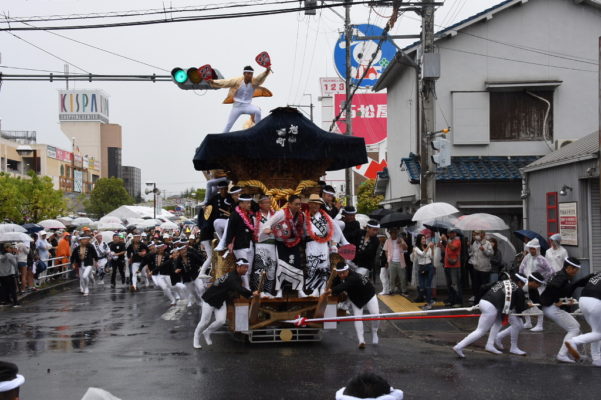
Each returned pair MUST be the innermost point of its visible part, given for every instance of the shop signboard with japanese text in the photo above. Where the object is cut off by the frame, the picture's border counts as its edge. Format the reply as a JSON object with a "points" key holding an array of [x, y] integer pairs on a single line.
{"points": [[369, 113], [568, 223]]}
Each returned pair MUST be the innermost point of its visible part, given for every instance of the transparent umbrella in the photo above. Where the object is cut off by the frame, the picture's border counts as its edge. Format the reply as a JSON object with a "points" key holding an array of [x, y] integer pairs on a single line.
{"points": [[12, 228], [505, 247], [481, 222], [52, 224], [81, 221], [169, 226], [15, 237], [434, 210], [110, 220], [110, 226]]}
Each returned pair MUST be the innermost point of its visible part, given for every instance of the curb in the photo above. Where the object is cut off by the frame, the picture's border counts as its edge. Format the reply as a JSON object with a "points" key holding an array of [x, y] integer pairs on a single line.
{"points": [[58, 287]]}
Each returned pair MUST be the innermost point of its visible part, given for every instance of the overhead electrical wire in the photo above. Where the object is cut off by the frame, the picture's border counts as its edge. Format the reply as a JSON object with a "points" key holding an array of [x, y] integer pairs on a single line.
{"points": [[258, 13]]}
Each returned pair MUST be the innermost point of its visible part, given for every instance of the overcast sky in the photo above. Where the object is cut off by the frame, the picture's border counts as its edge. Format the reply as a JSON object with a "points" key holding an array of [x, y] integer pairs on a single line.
{"points": [[162, 125]]}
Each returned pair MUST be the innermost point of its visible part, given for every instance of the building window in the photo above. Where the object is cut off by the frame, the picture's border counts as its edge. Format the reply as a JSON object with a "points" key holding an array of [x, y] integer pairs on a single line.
{"points": [[519, 116], [552, 214]]}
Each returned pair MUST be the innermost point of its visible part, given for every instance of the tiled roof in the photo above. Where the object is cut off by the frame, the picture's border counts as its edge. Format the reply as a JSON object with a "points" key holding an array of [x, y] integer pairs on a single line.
{"points": [[581, 148], [473, 169]]}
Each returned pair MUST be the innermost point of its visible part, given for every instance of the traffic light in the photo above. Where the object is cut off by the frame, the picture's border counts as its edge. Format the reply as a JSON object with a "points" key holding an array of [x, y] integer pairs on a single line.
{"points": [[191, 78], [442, 158]]}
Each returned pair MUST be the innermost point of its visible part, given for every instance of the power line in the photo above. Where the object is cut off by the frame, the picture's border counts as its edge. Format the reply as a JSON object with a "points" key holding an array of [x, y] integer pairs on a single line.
{"points": [[201, 18], [31, 69], [101, 49], [47, 52], [519, 61]]}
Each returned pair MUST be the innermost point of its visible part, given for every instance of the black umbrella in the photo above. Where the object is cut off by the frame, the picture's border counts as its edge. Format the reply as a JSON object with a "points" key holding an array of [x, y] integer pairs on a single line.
{"points": [[33, 228], [380, 213], [395, 219]]}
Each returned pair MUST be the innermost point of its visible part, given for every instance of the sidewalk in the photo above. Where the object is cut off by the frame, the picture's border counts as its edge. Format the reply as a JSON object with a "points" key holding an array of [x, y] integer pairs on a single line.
{"points": [[540, 346]]}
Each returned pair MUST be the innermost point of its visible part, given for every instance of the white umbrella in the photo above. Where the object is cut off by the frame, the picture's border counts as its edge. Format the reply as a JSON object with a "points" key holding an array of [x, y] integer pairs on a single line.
{"points": [[147, 224], [82, 221], [169, 226], [12, 228], [110, 220], [15, 237], [481, 222], [107, 236], [506, 248], [65, 220], [110, 226], [434, 210], [52, 224], [362, 219]]}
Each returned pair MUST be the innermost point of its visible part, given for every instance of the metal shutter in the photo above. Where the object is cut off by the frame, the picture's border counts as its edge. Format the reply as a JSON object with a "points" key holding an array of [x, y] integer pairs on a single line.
{"points": [[596, 226]]}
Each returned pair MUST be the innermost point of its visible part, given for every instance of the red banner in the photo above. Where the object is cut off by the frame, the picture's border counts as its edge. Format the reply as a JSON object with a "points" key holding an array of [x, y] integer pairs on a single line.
{"points": [[368, 112]]}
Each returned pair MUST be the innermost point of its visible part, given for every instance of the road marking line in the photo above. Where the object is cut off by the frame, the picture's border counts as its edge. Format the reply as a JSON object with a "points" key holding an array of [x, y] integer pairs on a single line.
{"points": [[176, 312]]}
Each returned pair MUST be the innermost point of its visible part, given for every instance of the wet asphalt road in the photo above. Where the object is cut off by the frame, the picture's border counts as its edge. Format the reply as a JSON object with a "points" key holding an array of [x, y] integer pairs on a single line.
{"points": [[65, 343]]}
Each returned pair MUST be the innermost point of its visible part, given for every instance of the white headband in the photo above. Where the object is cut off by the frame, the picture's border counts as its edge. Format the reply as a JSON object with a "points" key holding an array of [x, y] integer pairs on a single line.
{"points": [[572, 264], [522, 278], [373, 226], [248, 70], [236, 191], [342, 269], [241, 262], [395, 394], [5, 386], [534, 278], [328, 192]]}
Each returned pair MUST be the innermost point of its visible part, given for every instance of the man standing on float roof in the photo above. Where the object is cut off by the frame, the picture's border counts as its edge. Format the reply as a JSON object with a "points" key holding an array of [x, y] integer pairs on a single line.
{"points": [[242, 90]]}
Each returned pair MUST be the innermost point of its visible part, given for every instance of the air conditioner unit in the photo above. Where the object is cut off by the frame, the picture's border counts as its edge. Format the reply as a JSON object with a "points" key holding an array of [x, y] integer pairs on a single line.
{"points": [[559, 143]]}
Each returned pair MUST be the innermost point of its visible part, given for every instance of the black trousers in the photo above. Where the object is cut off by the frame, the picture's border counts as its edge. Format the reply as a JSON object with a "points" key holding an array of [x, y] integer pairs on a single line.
{"points": [[8, 290], [120, 265]]}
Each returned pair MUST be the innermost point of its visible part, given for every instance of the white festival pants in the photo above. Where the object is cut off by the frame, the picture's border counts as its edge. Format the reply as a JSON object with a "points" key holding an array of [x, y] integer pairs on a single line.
{"points": [[338, 236], [220, 226], [564, 320], [164, 282], [372, 308], [384, 278], [591, 309], [205, 325], [516, 326], [134, 274], [84, 278], [247, 253], [490, 320], [242, 108], [206, 245]]}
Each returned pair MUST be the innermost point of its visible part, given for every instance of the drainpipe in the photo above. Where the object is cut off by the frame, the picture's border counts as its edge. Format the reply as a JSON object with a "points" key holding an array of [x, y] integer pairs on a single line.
{"points": [[548, 103], [524, 195]]}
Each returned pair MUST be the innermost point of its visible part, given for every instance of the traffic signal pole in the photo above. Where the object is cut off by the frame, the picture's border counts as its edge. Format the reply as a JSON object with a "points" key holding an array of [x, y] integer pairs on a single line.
{"points": [[427, 117], [348, 33]]}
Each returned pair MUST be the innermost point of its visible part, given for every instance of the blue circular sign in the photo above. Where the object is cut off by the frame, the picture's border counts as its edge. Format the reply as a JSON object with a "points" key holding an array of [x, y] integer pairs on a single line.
{"points": [[361, 54]]}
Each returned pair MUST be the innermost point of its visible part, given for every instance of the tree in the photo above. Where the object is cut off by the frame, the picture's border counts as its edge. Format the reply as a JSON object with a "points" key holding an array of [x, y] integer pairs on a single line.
{"points": [[108, 194], [366, 200], [30, 200]]}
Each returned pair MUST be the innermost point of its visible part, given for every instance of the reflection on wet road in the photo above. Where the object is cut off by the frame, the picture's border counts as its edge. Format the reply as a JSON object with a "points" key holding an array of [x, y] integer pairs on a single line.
{"points": [[112, 339]]}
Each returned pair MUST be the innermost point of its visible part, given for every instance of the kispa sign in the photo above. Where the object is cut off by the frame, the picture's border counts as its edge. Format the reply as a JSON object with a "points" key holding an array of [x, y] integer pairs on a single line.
{"points": [[361, 54], [83, 105]]}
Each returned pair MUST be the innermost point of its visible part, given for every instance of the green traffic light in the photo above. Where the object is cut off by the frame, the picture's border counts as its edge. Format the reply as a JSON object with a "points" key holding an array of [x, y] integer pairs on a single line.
{"points": [[179, 75]]}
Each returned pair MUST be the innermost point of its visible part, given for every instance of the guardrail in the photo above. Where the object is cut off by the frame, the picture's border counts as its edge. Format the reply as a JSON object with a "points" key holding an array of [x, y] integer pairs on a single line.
{"points": [[57, 267]]}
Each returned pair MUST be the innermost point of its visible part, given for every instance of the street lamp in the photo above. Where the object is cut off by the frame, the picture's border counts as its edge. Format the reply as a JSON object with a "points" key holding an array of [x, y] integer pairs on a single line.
{"points": [[151, 187], [25, 150]]}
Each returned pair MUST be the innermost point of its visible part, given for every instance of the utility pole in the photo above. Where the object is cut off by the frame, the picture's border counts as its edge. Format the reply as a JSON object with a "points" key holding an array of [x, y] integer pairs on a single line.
{"points": [[348, 33], [427, 118], [599, 166]]}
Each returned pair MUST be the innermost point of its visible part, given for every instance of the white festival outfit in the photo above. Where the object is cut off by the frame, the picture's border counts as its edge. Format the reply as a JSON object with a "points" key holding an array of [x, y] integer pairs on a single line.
{"points": [[265, 255], [288, 263], [529, 265], [317, 252]]}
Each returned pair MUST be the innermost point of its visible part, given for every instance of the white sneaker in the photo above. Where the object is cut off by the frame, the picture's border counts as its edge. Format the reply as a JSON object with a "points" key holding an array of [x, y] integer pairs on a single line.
{"points": [[459, 352], [197, 345], [517, 351], [527, 325], [382, 293], [565, 359], [278, 295], [374, 338], [207, 337], [537, 329], [499, 344], [597, 363], [493, 350]]}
